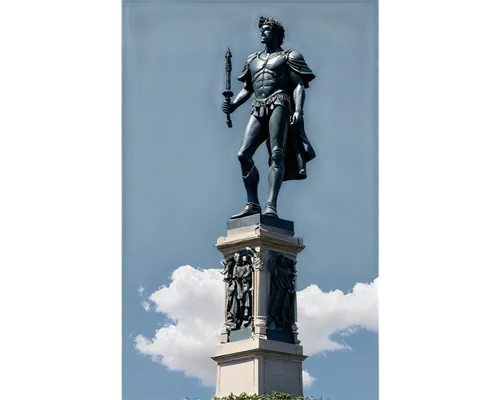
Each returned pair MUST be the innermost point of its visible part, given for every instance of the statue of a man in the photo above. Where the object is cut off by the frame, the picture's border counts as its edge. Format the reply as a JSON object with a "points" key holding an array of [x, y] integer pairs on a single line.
{"points": [[277, 78]]}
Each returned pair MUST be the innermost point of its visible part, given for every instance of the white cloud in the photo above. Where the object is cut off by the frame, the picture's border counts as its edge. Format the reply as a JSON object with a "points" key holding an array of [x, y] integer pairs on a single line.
{"points": [[146, 305], [140, 290], [307, 379], [194, 302], [320, 314]]}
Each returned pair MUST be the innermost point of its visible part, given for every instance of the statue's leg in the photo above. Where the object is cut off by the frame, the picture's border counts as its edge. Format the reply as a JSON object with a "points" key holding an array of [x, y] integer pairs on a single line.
{"points": [[253, 138], [278, 131]]}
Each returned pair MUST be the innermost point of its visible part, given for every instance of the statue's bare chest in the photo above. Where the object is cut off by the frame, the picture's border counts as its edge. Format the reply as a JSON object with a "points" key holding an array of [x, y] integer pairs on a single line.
{"points": [[274, 64]]}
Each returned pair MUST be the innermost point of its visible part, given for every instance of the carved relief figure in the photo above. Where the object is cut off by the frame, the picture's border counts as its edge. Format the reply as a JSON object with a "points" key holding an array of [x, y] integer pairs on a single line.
{"points": [[282, 293], [238, 272]]}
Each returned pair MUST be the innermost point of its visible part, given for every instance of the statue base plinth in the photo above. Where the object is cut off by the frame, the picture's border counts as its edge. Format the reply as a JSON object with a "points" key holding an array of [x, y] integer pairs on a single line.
{"points": [[266, 356], [263, 232], [277, 224], [259, 366]]}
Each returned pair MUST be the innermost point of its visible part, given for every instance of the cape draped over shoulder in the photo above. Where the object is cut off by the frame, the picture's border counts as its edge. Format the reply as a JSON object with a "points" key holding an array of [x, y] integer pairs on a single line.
{"points": [[299, 150]]}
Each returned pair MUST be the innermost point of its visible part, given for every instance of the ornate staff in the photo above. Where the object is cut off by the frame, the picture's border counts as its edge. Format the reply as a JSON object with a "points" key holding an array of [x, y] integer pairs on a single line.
{"points": [[228, 93]]}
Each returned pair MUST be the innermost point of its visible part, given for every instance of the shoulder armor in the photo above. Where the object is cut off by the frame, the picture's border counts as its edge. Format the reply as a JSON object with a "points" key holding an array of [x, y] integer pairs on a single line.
{"points": [[252, 56], [245, 74], [295, 55], [297, 64]]}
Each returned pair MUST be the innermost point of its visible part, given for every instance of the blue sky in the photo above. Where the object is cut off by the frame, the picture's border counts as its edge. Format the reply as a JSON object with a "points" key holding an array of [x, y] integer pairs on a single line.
{"points": [[181, 177]]}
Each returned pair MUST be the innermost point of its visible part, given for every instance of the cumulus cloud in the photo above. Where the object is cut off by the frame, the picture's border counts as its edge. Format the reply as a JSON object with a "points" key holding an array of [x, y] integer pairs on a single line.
{"points": [[321, 314], [307, 379], [193, 306]]}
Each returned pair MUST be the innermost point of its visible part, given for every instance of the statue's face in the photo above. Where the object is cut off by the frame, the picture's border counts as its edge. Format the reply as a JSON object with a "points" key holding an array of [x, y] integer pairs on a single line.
{"points": [[266, 34]]}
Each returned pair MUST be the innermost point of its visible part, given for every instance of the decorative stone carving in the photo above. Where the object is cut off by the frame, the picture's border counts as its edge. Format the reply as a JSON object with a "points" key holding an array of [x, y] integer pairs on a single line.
{"points": [[281, 309], [238, 274]]}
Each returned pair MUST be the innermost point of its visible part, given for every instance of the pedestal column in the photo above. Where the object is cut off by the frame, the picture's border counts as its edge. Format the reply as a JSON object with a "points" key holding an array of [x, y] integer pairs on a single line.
{"points": [[259, 350], [261, 294], [224, 334]]}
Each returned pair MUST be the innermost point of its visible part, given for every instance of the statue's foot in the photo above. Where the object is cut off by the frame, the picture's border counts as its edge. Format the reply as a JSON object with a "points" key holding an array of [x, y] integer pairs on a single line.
{"points": [[271, 210], [250, 209]]}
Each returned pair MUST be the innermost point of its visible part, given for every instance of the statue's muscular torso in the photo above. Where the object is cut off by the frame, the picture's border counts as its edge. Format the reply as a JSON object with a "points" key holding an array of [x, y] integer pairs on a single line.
{"points": [[269, 73]]}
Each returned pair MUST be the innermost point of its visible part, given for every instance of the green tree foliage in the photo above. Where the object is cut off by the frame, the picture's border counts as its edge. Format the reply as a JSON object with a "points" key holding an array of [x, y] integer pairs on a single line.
{"points": [[271, 396]]}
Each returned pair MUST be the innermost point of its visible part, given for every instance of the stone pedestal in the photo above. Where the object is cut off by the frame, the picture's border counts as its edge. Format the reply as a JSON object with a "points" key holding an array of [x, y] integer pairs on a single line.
{"points": [[259, 350]]}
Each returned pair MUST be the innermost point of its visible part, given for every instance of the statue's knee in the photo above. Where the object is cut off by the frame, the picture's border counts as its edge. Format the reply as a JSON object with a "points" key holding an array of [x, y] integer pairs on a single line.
{"points": [[277, 157], [242, 157]]}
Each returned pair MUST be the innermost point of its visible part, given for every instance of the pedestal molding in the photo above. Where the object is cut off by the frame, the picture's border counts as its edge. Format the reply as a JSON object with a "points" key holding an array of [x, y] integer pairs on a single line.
{"points": [[259, 237]]}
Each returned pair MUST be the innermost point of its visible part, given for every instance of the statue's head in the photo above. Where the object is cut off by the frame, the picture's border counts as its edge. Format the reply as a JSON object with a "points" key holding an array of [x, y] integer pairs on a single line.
{"points": [[271, 30]]}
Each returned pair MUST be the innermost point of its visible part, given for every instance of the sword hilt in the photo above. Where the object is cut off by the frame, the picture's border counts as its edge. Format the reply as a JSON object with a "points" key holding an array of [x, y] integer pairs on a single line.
{"points": [[228, 94]]}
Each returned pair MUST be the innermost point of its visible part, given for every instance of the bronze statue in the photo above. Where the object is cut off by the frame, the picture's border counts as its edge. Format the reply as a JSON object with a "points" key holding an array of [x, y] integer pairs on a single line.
{"points": [[277, 78]]}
